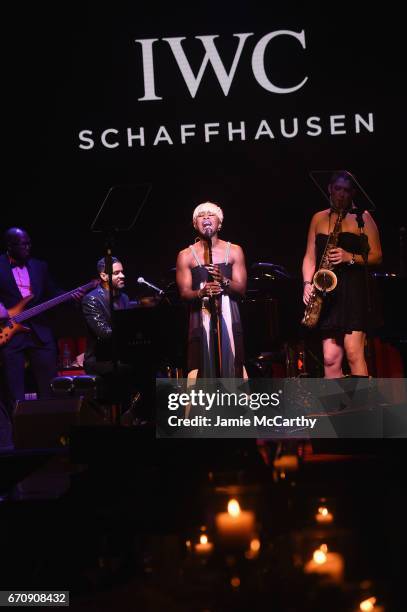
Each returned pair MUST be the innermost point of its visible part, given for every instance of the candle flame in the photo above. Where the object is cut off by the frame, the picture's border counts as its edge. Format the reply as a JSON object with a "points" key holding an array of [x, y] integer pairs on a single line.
{"points": [[368, 604], [233, 507], [324, 548], [319, 556], [235, 582], [323, 510], [203, 539], [255, 545]]}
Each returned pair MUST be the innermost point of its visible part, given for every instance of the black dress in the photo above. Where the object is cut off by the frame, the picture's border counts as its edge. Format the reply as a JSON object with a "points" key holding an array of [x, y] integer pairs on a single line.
{"points": [[347, 307], [199, 354]]}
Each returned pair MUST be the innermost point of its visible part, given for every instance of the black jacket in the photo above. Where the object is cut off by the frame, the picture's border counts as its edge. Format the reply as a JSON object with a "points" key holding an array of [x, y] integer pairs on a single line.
{"points": [[43, 289], [95, 307]]}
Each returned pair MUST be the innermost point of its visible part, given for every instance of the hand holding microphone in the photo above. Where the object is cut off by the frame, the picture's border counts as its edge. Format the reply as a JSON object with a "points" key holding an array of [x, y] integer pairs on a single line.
{"points": [[210, 289], [217, 276], [215, 272]]}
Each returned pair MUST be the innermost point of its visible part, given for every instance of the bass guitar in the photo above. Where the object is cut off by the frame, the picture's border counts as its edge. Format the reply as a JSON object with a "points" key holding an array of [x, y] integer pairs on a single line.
{"points": [[16, 315]]}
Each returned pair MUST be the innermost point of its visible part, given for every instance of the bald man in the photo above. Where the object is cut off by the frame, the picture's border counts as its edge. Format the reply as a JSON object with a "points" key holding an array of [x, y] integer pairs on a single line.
{"points": [[197, 281], [22, 275]]}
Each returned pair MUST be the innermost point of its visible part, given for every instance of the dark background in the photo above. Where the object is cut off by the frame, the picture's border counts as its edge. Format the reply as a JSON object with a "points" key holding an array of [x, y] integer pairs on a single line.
{"points": [[76, 66]]}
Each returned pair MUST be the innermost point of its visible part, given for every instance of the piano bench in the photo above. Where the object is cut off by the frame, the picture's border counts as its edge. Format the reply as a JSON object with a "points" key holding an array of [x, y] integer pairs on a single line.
{"points": [[93, 389], [62, 385], [88, 386]]}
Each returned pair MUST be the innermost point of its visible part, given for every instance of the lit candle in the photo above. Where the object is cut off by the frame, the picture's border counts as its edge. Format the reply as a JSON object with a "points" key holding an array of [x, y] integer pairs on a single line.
{"points": [[204, 547], [323, 515], [254, 549], [236, 526], [286, 463], [369, 605], [328, 564]]}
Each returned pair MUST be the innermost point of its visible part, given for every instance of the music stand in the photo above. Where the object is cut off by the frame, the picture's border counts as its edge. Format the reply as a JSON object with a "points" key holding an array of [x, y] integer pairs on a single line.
{"points": [[118, 213]]}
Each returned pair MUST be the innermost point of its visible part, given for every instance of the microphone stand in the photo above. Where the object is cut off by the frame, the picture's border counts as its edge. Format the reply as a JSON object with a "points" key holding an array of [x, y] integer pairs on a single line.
{"points": [[403, 253], [115, 416], [365, 254], [215, 325], [161, 292], [118, 212]]}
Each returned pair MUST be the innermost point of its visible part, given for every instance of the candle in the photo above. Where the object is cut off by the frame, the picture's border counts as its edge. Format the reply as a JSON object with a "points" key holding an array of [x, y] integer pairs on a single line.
{"points": [[254, 549], [235, 527], [328, 564], [323, 515], [235, 582], [286, 463], [369, 605], [204, 547]]}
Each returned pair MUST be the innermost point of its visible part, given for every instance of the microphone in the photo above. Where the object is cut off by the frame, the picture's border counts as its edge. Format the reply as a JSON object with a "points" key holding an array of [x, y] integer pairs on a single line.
{"points": [[208, 235], [144, 282], [208, 230]]}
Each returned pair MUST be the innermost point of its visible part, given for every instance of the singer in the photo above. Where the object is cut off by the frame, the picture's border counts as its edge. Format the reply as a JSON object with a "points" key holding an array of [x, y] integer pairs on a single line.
{"points": [[212, 273]]}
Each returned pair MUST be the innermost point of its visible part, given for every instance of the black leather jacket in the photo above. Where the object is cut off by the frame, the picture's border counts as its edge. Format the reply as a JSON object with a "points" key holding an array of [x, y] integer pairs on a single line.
{"points": [[95, 307]]}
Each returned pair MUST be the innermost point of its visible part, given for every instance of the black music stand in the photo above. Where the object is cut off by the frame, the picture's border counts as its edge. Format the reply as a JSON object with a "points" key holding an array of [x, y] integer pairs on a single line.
{"points": [[118, 213]]}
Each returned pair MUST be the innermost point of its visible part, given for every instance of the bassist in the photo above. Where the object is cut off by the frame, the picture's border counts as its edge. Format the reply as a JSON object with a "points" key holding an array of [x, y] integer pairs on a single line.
{"points": [[21, 276]]}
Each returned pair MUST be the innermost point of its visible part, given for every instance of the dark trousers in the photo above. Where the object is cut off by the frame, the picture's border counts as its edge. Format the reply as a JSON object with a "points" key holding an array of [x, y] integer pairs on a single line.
{"points": [[43, 361], [6, 436]]}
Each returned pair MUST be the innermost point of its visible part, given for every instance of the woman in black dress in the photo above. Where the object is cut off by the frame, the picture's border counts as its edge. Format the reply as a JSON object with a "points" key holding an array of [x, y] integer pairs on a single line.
{"points": [[198, 281], [346, 311]]}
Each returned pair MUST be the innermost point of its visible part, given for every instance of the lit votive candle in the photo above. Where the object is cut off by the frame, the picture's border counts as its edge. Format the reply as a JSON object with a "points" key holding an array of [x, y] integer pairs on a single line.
{"points": [[236, 526], [328, 564], [369, 605], [286, 463], [323, 515], [204, 547], [254, 549]]}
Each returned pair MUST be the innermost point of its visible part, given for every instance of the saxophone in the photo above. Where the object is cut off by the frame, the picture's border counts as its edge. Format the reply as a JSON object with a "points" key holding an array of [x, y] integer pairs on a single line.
{"points": [[325, 280]]}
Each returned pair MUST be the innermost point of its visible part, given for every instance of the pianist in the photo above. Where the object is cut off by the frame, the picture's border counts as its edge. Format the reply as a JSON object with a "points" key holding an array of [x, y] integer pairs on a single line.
{"points": [[98, 355]]}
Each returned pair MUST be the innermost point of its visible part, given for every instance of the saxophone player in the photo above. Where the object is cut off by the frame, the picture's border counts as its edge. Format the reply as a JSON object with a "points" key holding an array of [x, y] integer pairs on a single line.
{"points": [[344, 317]]}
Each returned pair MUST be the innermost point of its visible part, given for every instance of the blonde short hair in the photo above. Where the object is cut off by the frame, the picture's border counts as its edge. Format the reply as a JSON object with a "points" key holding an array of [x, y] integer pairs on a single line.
{"points": [[207, 207]]}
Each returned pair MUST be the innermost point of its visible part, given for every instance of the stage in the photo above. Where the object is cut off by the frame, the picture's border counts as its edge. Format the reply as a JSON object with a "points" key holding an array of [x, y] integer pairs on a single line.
{"points": [[285, 122]]}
